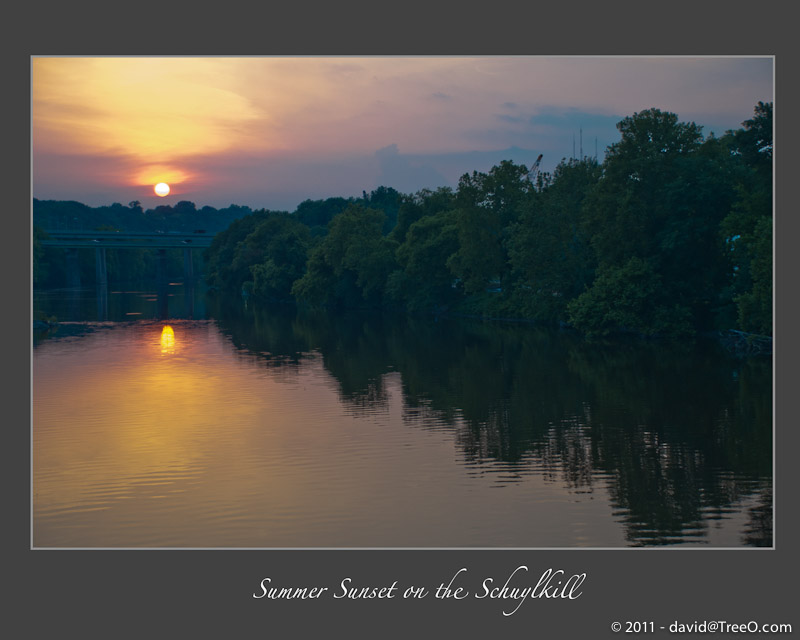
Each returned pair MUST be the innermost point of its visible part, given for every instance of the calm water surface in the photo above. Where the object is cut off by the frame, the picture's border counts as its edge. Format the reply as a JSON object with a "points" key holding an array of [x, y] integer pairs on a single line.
{"points": [[268, 427]]}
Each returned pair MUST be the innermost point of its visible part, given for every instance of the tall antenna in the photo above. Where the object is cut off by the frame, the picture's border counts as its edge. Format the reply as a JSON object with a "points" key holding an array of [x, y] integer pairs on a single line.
{"points": [[595, 148], [581, 143], [573, 145]]}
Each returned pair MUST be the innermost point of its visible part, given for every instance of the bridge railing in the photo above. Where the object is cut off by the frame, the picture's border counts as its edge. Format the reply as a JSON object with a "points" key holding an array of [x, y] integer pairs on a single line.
{"points": [[126, 240]]}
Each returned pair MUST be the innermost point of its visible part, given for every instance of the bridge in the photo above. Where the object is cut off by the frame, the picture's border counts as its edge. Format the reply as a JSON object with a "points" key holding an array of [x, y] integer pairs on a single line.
{"points": [[72, 241], [126, 240]]}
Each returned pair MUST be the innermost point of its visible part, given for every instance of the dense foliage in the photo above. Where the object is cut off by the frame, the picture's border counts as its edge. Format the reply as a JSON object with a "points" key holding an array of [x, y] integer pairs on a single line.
{"points": [[670, 235]]}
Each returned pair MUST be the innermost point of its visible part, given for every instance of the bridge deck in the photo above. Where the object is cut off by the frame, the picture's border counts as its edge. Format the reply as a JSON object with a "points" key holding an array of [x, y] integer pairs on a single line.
{"points": [[126, 240]]}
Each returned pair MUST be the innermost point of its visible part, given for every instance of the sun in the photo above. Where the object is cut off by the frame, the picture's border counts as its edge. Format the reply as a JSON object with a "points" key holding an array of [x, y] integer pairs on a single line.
{"points": [[161, 189]]}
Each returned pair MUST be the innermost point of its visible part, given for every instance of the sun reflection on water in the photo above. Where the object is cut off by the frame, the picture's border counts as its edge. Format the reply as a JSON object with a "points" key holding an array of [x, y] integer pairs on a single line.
{"points": [[167, 340]]}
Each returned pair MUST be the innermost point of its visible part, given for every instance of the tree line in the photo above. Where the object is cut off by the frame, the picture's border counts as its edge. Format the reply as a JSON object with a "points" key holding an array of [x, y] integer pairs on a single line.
{"points": [[670, 235]]}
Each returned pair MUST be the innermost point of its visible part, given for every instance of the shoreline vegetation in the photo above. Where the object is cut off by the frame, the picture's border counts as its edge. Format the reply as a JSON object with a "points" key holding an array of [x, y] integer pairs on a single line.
{"points": [[670, 236]]}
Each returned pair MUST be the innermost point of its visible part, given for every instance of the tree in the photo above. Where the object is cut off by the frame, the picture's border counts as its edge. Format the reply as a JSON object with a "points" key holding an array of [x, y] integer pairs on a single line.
{"points": [[627, 209], [629, 298], [220, 256], [755, 304], [351, 264], [661, 198], [747, 229], [423, 282], [423, 203], [754, 141], [487, 204], [318, 213], [548, 249], [276, 252]]}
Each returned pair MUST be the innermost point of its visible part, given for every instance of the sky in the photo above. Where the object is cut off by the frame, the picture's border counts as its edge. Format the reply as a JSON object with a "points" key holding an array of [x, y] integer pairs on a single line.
{"points": [[270, 132]]}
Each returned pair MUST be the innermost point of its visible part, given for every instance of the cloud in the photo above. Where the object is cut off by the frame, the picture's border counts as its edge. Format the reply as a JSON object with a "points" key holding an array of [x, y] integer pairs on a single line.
{"points": [[553, 116], [146, 107], [389, 151], [510, 119], [407, 175]]}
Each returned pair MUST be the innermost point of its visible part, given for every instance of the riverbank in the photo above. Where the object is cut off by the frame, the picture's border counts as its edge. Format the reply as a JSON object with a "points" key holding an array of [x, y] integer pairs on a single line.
{"points": [[743, 344]]}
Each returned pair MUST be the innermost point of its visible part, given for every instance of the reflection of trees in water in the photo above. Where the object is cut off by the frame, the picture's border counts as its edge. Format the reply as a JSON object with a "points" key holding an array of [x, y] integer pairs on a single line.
{"points": [[758, 532], [261, 335], [354, 351], [681, 433], [352, 348], [678, 435], [568, 449], [690, 441]]}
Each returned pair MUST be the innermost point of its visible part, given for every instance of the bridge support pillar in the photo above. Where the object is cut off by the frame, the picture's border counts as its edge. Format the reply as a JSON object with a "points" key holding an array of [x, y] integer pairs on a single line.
{"points": [[102, 302], [100, 267], [188, 266], [188, 300], [73, 269], [161, 266], [161, 284]]}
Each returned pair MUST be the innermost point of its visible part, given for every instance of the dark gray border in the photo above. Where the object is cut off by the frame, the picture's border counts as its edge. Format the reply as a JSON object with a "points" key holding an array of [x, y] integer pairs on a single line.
{"points": [[101, 594]]}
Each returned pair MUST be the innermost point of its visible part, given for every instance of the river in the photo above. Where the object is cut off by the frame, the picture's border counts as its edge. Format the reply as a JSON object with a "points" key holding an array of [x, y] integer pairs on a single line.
{"points": [[189, 420]]}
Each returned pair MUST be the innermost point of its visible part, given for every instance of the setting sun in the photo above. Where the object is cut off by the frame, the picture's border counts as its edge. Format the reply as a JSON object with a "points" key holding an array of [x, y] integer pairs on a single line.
{"points": [[161, 189]]}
